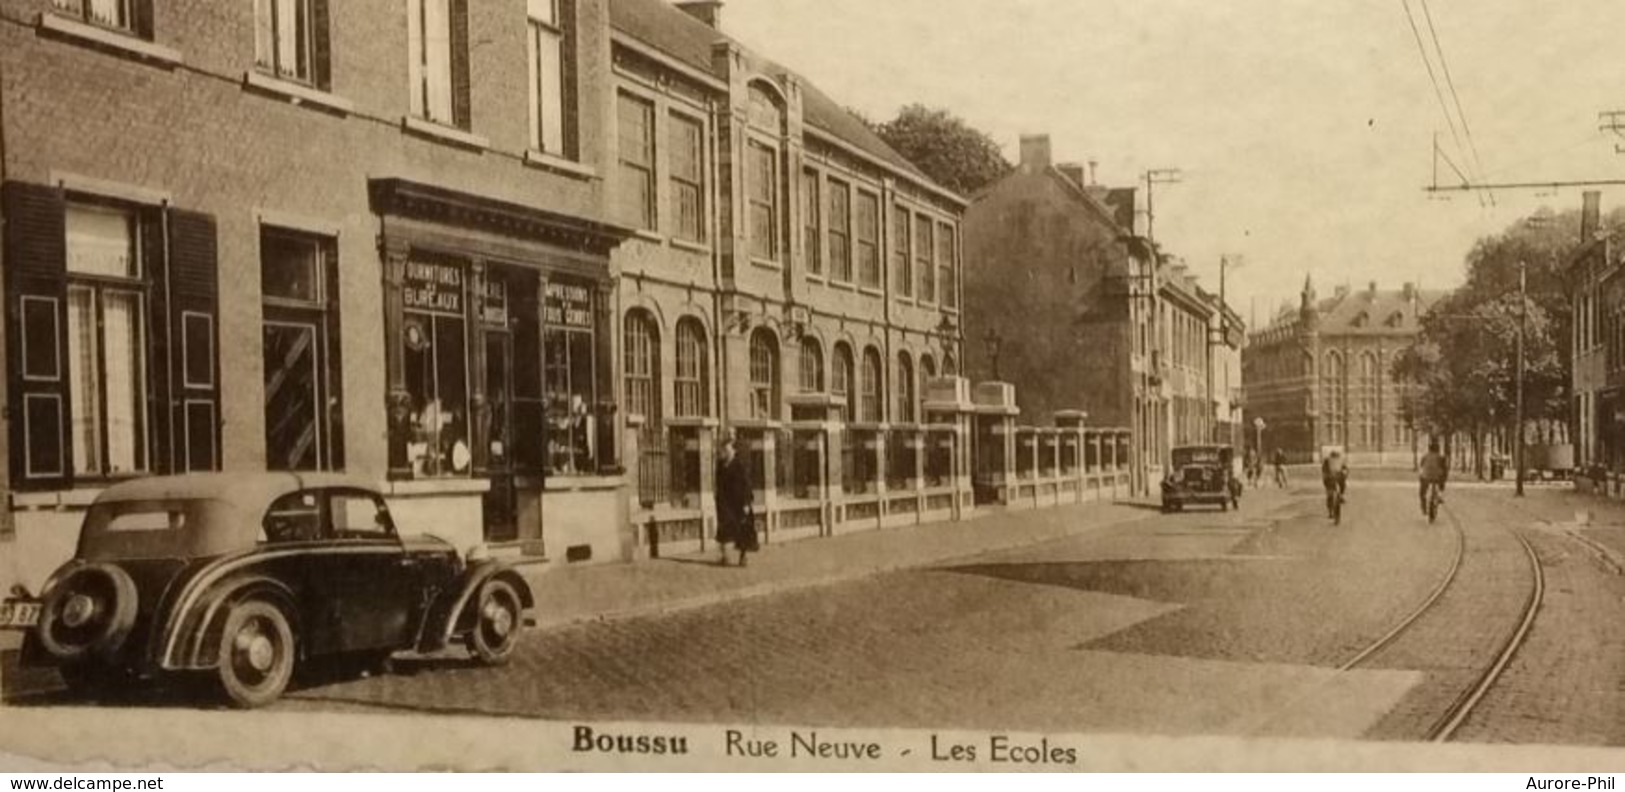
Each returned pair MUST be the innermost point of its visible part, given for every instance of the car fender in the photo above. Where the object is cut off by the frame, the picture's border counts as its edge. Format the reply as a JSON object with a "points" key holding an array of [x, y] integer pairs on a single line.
{"points": [[450, 613], [197, 646]]}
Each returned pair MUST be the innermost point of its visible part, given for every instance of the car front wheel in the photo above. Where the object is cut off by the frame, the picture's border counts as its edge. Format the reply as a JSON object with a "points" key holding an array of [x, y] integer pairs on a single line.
{"points": [[256, 654], [496, 623]]}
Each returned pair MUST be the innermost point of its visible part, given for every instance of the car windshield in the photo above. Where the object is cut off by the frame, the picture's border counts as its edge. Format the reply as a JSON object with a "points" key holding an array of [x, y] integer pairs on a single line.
{"points": [[154, 529]]}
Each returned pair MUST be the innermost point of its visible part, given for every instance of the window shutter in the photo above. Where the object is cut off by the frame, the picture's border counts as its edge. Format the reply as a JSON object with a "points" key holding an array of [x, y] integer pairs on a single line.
{"points": [[141, 13], [460, 81], [35, 274], [155, 254], [321, 60], [194, 349]]}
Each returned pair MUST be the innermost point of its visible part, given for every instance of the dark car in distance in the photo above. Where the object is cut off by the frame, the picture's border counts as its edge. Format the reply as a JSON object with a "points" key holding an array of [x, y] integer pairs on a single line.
{"points": [[1201, 474], [247, 577]]}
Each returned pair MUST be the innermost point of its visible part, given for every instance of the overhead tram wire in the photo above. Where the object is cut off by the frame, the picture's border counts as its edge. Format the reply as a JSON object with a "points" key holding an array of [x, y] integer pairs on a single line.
{"points": [[1438, 92], [1450, 82]]}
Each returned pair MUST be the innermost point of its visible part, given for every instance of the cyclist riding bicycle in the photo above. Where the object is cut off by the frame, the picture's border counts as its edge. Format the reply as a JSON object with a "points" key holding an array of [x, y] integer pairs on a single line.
{"points": [[1432, 471], [1334, 473]]}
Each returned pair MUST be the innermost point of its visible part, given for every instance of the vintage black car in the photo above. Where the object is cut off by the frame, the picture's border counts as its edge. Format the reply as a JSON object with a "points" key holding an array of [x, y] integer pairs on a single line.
{"points": [[1201, 474], [247, 576]]}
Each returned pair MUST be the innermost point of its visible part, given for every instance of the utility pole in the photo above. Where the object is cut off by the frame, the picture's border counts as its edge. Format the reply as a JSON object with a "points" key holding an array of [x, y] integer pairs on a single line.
{"points": [[1154, 177], [1523, 313]]}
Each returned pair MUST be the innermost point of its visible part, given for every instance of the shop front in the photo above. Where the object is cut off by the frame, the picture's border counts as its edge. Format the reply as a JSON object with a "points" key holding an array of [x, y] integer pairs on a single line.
{"points": [[501, 408]]}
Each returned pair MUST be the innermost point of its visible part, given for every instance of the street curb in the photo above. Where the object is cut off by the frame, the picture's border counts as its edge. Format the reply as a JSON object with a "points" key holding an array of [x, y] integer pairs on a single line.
{"points": [[781, 587]]}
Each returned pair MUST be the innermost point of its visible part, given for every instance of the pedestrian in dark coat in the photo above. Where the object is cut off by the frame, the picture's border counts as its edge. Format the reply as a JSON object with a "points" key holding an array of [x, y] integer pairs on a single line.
{"points": [[736, 520]]}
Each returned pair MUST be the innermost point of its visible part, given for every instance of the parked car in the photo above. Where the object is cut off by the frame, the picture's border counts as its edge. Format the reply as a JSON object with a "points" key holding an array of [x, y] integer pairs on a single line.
{"points": [[1201, 474], [248, 577]]}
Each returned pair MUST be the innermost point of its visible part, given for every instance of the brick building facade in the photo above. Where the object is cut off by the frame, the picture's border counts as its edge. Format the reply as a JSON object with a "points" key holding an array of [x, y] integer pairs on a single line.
{"points": [[1321, 375]]}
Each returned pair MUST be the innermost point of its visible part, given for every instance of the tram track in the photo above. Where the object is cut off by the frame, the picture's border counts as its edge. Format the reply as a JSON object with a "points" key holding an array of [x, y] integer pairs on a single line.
{"points": [[1462, 706]]}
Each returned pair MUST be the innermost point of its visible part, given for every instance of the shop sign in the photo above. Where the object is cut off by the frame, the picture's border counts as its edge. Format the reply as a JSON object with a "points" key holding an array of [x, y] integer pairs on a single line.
{"points": [[495, 309], [568, 305], [433, 287]]}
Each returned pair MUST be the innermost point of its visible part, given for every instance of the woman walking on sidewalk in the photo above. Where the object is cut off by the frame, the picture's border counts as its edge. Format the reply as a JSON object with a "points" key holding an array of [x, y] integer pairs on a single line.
{"points": [[736, 520]]}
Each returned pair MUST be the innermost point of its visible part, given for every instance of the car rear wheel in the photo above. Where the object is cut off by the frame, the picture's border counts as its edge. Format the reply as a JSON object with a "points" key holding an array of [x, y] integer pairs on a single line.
{"points": [[256, 654], [88, 614], [496, 623]]}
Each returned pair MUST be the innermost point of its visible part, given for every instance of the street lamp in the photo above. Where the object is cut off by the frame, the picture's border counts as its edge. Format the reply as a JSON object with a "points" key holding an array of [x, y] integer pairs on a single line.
{"points": [[1523, 313]]}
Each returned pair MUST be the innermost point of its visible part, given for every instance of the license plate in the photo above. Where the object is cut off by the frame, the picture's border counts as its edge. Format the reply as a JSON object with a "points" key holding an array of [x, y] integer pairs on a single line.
{"points": [[19, 614]]}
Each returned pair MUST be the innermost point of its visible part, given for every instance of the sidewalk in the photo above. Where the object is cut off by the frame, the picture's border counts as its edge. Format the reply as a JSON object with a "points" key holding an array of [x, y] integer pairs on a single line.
{"points": [[567, 595]]}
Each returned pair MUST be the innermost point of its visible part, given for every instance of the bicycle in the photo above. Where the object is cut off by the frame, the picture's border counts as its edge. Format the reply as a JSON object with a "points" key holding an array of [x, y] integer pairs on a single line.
{"points": [[1334, 502], [1435, 497]]}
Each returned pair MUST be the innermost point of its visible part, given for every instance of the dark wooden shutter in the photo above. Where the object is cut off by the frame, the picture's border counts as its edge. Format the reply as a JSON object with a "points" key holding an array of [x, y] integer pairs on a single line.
{"points": [[154, 257], [141, 14], [36, 289], [194, 349], [321, 56], [460, 80], [334, 370]]}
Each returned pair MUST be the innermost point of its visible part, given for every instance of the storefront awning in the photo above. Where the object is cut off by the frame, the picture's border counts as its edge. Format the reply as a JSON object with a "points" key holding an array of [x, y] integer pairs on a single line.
{"points": [[405, 198]]}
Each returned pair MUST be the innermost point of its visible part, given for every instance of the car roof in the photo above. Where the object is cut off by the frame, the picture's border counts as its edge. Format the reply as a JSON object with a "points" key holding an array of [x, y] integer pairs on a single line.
{"points": [[247, 490]]}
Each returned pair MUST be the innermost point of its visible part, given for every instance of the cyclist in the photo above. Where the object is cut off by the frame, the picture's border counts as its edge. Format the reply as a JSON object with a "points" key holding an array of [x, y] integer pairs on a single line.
{"points": [[1250, 466], [1278, 458], [1334, 473], [1432, 472]]}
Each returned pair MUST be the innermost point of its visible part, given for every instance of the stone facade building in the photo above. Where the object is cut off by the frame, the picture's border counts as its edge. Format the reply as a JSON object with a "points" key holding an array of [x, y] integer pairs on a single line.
{"points": [[1321, 375]]}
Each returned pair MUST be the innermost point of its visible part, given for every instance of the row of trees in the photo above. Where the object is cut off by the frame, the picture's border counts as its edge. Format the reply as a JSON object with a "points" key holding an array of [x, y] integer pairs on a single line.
{"points": [[1462, 368]]}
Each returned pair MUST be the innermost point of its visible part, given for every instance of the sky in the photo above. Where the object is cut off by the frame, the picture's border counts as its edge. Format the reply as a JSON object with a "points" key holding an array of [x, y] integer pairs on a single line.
{"points": [[1303, 129]]}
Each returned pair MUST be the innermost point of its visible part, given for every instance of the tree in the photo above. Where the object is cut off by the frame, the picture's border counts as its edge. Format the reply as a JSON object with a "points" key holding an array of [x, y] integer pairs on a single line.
{"points": [[1460, 373], [944, 147]]}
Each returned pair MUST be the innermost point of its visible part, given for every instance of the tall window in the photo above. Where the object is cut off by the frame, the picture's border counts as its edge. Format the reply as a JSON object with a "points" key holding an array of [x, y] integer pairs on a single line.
{"points": [[642, 357], [868, 232], [924, 244], [687, 177], [123, 15], [438, 36], [689, 385], [107, 349], [905, 388], [1333, 381], [902, 260], [290, 40], [764, 374], [812, 366], [928, 368], [840, 231], [762, 189], [950, 367], [840, 378], [437, 375], [637, 160], [570, 375], [812, 231], [303, 379], [947, 291], [546, 44], [870, 405]]}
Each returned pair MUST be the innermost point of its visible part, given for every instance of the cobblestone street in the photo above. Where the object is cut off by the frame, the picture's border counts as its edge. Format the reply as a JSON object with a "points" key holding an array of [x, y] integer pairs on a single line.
{"points": [[1097, 619]]}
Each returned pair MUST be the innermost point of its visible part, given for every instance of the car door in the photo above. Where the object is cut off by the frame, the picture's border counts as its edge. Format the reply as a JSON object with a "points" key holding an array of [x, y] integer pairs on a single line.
{"points": [[377, 584]]}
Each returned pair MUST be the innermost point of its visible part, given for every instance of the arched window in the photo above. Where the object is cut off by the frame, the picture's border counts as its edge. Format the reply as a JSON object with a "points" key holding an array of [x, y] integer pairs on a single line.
{"points": [[690, 386], [905, 388], [950, 367], [1333, 385], [764, 374], [870, 406], [840, 378], [642, 362], [1370, 387], [928, 368], [812, 366]]}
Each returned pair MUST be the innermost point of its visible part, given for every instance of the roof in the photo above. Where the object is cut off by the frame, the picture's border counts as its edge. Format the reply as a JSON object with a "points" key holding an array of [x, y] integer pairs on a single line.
{"points": [[244, 489], [673, 32], [1379, 311]]}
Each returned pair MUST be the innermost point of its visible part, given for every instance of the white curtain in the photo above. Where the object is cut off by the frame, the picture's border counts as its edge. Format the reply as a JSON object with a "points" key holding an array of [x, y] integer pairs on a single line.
{"points": [[101, 241], [124, 354], [84, 380]]}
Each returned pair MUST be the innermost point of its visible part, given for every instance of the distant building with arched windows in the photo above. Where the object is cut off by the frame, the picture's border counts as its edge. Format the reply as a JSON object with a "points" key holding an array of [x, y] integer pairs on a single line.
{"points": [[1321, 375]]}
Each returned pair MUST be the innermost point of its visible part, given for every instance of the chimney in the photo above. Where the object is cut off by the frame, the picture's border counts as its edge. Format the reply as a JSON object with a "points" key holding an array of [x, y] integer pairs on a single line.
{"points": [[1410, 292], [1371, 291], [1590, 215], [1092, 165], [1073, 171], [707, 11], [1034, 153]]}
